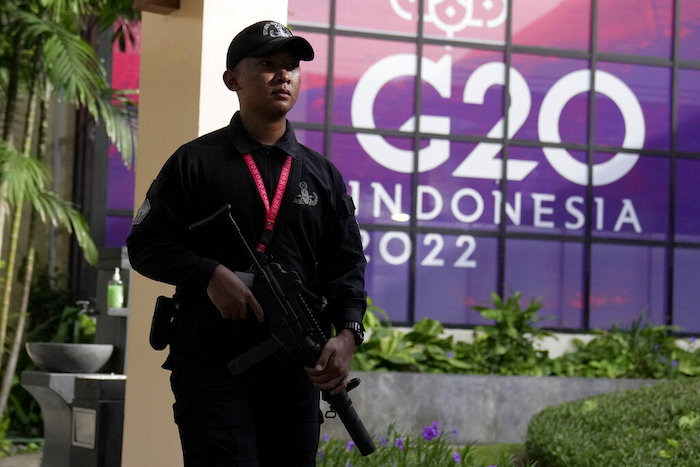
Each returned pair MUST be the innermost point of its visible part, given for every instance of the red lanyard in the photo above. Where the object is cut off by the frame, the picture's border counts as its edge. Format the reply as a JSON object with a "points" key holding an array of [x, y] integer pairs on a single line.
{"points": [[271, 210]]}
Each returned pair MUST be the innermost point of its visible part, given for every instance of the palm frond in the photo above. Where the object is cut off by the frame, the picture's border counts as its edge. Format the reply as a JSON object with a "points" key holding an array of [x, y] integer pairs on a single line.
{"points": [[27, 179], [24, 177], [118, 112], [73, 68], [51, 207], [61, 8]]}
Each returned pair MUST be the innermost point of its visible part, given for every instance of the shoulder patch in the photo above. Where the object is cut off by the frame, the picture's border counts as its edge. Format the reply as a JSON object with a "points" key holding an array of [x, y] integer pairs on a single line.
{"points": [[142, 212], [349, 205]]}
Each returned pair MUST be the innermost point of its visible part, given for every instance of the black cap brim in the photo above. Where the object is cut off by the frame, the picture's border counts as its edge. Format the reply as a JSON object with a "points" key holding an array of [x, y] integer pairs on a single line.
{"points": [[297, 44]]}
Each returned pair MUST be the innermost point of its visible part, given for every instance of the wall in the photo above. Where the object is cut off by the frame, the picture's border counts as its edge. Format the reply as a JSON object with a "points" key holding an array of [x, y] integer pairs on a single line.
{"points": [[182, 60], [483, 409]]}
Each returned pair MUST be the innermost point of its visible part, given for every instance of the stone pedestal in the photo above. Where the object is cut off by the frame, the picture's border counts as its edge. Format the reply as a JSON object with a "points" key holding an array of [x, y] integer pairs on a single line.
{"points": [[55, 393]]}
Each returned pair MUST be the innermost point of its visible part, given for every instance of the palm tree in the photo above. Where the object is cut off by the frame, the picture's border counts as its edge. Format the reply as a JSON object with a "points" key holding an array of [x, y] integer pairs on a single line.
{"points": [[43, 53]]}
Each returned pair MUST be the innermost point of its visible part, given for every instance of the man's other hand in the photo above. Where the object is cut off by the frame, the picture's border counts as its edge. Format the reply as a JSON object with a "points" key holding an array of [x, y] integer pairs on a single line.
{"points": [[333, 366]]}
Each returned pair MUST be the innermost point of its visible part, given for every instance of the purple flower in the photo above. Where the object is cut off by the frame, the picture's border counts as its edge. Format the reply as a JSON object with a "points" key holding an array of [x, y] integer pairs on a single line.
{"points": [[350, 445], [692, 340], [321, 454], [399, 443], [383, 441], [325, 438], [454, 432], [431, 431], [456, 457], [674, 362], [450, 355], [663, 359]]}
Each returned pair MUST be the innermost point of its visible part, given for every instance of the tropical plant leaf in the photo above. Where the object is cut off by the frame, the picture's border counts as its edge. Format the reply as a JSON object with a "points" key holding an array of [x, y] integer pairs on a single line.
{"points": [[24, 177], [74, 70], [58, 211]]}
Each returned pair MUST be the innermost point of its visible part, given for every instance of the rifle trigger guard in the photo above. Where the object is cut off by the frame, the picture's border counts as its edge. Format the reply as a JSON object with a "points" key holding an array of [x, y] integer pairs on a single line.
{"points": [[331, 414]]}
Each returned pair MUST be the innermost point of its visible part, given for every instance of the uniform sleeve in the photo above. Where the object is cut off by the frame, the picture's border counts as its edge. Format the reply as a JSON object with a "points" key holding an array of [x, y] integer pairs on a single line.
{"points": [[341, 260], [157, 244]]}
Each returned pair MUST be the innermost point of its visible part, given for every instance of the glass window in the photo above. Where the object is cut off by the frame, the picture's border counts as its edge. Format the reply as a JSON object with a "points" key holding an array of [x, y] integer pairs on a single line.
{"points": [[626, 282], [315, 12], [636, 204], [374, 83], [120, 180], [551, 102], [454, 273], [685, 290], [381, 196], [478, 21], [387, 272], [551, 272], [116, 231], [633, 106], [563, 24], [687, 196], [120, 183], [690, 30], [456, 199], [395, 16], [648, 32], [456, 177], [540, 199], [688, 110], [311, 104], [313, 139], [462, 91]]}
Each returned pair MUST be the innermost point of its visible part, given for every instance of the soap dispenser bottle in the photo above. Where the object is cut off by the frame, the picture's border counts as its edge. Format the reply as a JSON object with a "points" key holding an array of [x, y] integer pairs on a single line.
{"points": [[115, 291]]}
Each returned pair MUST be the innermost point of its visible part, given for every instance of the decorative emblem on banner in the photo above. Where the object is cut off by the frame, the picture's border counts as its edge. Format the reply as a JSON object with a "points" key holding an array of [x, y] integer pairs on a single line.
{"points": [[452, 16]]}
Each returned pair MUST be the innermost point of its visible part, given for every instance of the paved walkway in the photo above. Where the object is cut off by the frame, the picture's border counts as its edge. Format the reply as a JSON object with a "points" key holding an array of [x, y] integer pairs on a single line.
{"points": [[32, 459]]}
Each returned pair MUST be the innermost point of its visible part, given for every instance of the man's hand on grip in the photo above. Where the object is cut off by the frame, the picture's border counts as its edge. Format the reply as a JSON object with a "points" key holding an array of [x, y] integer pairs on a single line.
{"points": [[231, 296], [333, 366]]}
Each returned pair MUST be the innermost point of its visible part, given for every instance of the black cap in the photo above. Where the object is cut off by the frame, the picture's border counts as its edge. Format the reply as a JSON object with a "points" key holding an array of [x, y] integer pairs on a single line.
{"points": [[263, 37]]}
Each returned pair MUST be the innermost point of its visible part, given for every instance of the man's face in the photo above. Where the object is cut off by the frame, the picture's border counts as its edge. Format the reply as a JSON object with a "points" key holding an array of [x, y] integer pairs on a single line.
{"points": [[267, 86]]}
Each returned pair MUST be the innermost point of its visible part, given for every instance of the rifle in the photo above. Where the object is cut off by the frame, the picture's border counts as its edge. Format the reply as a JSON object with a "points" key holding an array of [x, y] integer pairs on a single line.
{"points": [[292, 327]]}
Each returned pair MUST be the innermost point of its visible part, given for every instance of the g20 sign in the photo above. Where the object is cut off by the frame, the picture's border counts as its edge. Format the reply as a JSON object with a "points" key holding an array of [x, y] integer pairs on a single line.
{"points": [[482, 161], [468, 204]]}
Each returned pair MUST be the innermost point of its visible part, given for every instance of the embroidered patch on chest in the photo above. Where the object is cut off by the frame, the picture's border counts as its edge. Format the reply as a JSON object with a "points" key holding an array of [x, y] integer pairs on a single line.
{"points": [[306, 197]]}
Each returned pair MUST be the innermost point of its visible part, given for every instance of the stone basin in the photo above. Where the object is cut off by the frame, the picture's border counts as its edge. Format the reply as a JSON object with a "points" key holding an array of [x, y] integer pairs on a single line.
{"points": [[59, 357]]}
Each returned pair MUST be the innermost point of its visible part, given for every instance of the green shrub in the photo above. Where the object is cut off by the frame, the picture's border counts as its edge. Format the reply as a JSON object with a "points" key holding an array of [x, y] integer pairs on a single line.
{"points": [[507, 347], [657, 425], [420, 350], [642, 351]]}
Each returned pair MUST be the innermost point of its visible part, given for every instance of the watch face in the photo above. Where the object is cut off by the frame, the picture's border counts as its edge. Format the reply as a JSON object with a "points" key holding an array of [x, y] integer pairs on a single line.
{"points": [[357, 331]]}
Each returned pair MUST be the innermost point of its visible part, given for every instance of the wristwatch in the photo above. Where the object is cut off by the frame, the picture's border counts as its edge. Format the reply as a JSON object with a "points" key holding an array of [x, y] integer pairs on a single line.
{"points": [[357, 332]]}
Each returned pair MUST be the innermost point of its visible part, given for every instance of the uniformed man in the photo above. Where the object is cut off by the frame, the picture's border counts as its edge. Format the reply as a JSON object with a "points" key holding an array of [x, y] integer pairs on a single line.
{"points": [[287, 200]]}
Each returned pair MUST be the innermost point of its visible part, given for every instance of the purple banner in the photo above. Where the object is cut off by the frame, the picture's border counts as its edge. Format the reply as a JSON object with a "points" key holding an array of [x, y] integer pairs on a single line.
{"points": [[458, 183]]}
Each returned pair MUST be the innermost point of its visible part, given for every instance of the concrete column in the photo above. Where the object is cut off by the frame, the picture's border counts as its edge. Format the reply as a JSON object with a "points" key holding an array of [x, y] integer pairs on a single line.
{"points": [[182, 96]]}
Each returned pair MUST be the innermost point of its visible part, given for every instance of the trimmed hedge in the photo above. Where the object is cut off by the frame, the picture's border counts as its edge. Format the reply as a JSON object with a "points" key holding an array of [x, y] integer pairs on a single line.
{"points": [[657, 425]]}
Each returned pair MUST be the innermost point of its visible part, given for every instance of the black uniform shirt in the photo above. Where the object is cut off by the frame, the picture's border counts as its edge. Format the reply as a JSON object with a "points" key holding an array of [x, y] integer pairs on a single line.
{"points": [[316, 233]]}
